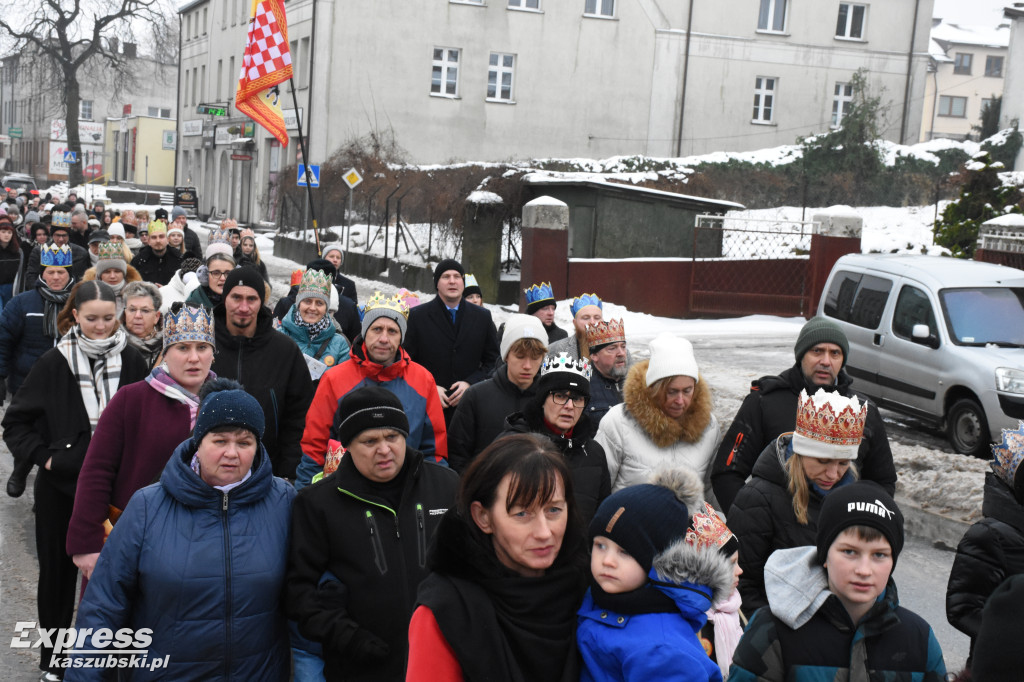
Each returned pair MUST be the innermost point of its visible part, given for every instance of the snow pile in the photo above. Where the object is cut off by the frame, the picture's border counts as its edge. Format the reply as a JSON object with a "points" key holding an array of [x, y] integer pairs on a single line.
{"points": [[940, 482], [482, 197]]}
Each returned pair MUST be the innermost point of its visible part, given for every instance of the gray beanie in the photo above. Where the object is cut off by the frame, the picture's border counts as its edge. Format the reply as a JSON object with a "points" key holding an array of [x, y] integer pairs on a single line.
{"points": [[393, 308], [820, 330], [177, 211]]}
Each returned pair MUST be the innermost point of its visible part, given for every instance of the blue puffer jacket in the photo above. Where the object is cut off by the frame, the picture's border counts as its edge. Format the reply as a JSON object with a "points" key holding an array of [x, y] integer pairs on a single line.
{"points": [[337, 349], [21, 337], [204, 570]]}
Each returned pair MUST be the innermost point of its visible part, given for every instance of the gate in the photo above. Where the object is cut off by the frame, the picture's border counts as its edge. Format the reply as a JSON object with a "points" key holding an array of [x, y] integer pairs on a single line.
{"points": [[747, 266]]}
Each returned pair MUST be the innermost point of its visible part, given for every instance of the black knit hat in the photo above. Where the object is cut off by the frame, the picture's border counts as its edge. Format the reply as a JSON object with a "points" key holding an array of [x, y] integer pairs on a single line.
{"points": [[861, 503], [223, 402], [820, 330], [446, 265], [245, 277], [998, 656], [370, 407], [322, 265]]}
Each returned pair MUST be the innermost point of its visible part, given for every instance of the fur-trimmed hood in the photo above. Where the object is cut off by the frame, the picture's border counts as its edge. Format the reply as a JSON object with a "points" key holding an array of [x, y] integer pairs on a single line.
{"points": [[663, 430], [131, 275], [687, 567]]}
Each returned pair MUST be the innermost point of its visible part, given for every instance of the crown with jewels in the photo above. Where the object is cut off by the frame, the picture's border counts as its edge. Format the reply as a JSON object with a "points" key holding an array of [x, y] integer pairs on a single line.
{"points": [[332, 458], [60, 219], [390, 303], [564, 363], [583, 301], [604, 333], [539, 292], [53, 256], [1007, 456], [156, 227], [188, 324], [829, 425], [707, 530], [220, 236], [110, 251], [315, 282]]}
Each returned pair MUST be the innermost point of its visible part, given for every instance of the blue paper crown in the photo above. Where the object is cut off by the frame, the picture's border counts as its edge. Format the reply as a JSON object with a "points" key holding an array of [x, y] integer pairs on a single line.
{"points": [[1007, 456], [54, 256], [219, 237], [539, 292], [189, 324], [583, 301], [565, 363]]}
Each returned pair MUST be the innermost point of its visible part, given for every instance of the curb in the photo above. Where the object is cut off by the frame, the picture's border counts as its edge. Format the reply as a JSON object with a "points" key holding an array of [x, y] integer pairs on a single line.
{"points": [[940, 529]]}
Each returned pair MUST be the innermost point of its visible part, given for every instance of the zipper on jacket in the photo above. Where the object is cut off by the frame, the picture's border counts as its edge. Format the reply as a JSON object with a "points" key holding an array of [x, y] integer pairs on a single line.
{"points": [[378, 548], [421, 542], [375, 504], [227, 580], [238, 369]]}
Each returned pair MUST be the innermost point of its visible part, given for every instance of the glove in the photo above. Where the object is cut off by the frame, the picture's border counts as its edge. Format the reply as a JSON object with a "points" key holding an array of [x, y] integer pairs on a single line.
{"points": [[366, 647], [333, 595]]}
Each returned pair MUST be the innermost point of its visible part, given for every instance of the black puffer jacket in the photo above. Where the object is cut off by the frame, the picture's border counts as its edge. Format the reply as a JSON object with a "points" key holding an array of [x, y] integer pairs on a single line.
{"points": [[12, 263], [991, 551], [585, 456], [768, 411], [480, 416], [763, 519]]}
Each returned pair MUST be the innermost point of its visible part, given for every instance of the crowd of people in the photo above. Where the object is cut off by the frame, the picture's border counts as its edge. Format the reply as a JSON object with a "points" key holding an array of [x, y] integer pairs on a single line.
{"points": [[402, 490]]}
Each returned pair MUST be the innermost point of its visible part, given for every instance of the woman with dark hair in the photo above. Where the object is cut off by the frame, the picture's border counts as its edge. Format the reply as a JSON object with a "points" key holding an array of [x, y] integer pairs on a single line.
{"points": [[12, 261], [508, 573], [51, 421]]}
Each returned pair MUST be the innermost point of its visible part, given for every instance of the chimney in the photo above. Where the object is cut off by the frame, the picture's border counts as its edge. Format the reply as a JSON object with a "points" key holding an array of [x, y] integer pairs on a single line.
{"points": [[130, 50]]}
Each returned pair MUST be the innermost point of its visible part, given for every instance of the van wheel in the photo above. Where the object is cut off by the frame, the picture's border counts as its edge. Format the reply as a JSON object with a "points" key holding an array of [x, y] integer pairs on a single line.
{"points": [[967, 429]]}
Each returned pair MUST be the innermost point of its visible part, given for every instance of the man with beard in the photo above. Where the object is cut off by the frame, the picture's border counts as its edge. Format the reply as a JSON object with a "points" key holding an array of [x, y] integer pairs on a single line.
{"points": [[608, 359], [155, 262]]}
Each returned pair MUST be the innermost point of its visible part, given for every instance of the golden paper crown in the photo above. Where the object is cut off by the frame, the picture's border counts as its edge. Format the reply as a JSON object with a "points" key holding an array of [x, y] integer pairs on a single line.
{"points": [[391, 303], [604, 333], [829, 425], [1007, 456], [707, 530], [156, 227]]}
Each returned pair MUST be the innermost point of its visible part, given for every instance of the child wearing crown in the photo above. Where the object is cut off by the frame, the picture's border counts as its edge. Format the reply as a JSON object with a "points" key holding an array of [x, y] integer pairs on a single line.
{"points": [[656, 568]]}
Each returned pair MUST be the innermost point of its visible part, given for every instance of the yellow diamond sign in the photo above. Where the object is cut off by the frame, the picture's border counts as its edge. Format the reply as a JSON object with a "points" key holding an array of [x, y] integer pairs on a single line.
{"points": [[352, 178]]}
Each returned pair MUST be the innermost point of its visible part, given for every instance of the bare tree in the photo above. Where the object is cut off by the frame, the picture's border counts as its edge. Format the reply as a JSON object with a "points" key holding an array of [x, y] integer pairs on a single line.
{"points": [[73, 35]]}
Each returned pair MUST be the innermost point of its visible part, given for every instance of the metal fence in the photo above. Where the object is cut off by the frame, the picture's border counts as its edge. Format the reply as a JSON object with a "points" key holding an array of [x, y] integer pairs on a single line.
{"points": [[743, 266]]}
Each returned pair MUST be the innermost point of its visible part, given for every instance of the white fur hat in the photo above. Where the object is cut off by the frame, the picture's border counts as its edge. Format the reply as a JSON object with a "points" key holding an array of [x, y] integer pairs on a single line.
{"points": [[671, 356], [521, 326]]}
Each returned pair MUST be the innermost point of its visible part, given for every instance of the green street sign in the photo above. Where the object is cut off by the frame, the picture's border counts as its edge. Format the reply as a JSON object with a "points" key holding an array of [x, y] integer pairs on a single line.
{"points": [[14, 132], [211, 110]]}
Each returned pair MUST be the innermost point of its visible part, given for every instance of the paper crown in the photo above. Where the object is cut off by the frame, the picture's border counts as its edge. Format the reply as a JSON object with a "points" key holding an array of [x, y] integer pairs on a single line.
{"points": [[333, 457], [391, 303], [247, 232], [539, 292], [229, 224], [53, 256], [829, 425], [110, 251], [297, 276], [583, 301], [604, 333], [1007, 456], [707, 531], [60, 219], [411, 299], [564, 363], [471, 283], [188, 324], [315, 282], [219, 237], [156, 227]]}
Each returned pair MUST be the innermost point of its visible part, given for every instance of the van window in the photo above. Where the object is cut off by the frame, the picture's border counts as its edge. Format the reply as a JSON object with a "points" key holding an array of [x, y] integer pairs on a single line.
{"points": [[912, 307], [984, 315], [857, 298]]}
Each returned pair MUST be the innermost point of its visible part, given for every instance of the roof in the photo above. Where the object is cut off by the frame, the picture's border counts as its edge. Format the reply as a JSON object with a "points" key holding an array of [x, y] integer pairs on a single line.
{"points": [[947, 34], [190, 4], [686, 200], [939, 272]]}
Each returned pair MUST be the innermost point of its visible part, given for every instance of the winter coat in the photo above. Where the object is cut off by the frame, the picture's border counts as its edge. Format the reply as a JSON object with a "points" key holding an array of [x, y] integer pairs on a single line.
{"points": [[12, 264], [346, 287], [584, 455], [204, 569], [22, 340], [80, 262], [157, 269], [464, 351], [192, 245], [568, 345], [806, 635], [768, 411], [335, 352], [272, 369], [555, 333], [763, 519], [378, 555], [480, 415], [176, 290], [136, 435], [410, 382], [248, 262], [991, 551], [605, 394], [640, 439], [131, 275], [346, 313], [199, 296], [663, 644], [47, 417]]}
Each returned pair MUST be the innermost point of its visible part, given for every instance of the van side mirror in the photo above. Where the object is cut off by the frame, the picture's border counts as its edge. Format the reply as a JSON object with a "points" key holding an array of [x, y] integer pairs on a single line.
{"points": [[922, 335]]}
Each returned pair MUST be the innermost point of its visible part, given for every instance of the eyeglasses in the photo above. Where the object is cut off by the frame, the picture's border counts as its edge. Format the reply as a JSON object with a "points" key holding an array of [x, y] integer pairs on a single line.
{"points": [[132, 310], [560, 398], [219, 274]]}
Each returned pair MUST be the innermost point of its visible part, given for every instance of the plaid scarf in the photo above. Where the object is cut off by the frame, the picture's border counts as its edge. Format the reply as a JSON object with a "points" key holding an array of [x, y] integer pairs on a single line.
{"points": [[163, 383], [99, 378], [314, 329]]}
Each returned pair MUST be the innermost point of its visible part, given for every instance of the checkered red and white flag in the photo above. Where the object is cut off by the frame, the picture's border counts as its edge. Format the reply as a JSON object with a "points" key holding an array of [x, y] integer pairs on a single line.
{"points": [[266, 63]]}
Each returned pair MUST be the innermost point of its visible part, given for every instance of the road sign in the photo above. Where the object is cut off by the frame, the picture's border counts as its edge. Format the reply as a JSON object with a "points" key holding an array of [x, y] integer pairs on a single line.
{"points": [[14, 132], [314, 175], [352, 178], [211, 110], [70, 157], [241, 157]]}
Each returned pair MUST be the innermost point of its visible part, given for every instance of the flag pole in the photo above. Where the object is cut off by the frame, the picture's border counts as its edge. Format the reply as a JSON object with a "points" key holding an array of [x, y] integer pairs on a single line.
{"points": [[305, 165]]}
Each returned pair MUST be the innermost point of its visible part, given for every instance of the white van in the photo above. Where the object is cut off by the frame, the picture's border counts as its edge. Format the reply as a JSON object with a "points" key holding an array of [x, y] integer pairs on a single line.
{"points": [[938, 338]]}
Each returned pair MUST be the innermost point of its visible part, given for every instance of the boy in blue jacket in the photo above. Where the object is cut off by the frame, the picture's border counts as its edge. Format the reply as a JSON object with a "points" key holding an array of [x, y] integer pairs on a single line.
{"points": [[654, 576]]}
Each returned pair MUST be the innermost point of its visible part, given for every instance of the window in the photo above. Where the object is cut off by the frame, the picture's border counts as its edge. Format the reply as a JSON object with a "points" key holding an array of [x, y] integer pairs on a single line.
{"points": [[85, 109], [764, 99], [772, 16], [953, 106], [159, 113], [444, 79], [204, 21], [600, 8], [188, 26], [524, 4], [202, 84], [857, 298], [962, 63], [303, 65], [991, 103], [994, 67], [220, 77], [851, 21], [913, 308], [842, 100], [500, 76]]}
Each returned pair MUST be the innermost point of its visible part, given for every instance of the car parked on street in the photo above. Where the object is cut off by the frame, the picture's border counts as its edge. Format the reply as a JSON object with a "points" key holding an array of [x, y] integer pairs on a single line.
{"points": [[20, 181], [938, 338]]}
